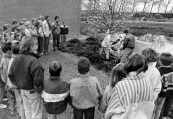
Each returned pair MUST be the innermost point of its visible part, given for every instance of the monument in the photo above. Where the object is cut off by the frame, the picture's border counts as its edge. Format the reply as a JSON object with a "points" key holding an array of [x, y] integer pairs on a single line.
{"points": [[68, 10]]}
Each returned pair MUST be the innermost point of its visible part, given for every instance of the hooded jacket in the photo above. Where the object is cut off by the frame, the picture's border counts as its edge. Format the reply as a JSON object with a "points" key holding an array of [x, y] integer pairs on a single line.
{"points": [[27, 72]]}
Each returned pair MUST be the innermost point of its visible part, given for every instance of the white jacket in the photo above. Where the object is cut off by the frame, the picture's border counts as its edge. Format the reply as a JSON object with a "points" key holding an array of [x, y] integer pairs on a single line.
{"points": [[46, 29], [154, 76]]}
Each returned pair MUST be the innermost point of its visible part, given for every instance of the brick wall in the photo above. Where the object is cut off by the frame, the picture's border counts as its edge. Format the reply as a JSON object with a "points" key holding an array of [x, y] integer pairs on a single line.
{"points": [[68, 10]]}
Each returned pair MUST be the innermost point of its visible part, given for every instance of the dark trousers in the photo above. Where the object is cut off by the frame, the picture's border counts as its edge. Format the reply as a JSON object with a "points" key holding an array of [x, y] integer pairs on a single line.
{"points": [[40, 44], [46, 44], [167, 105], [56, 40], [88, 113]]}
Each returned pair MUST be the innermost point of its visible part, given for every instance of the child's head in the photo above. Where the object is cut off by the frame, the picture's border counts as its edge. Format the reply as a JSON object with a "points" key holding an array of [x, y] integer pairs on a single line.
{"points": [[29, 44], [117, 74], [136, 63], [83, 65], [6, 47], [15, 47], [150, 55], [55, 68], [165, 59]]}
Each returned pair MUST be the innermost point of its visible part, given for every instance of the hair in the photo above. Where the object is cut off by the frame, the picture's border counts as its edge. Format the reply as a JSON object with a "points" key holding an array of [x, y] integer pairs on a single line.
{"points": [[6, 47], [126, 31], [47, 16], [56, 17], [150, 55], [137, 63], [14, 22], [117, 74], [83, 65], [5, 27], [15, 48], [55, 68], [166, 59], [27, 43]]}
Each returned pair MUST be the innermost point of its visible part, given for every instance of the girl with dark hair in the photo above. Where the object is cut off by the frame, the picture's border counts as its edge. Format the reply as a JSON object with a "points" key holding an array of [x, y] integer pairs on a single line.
{"points": [[117, 74], [132, 98]]}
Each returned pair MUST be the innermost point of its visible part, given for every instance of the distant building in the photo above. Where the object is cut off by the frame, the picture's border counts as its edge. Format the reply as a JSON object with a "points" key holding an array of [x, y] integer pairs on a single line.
{"points": [[68, 10]]}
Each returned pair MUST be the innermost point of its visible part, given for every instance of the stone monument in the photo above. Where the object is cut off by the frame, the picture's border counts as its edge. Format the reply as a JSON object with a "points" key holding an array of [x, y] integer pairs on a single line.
{"points": [[68, 10]]}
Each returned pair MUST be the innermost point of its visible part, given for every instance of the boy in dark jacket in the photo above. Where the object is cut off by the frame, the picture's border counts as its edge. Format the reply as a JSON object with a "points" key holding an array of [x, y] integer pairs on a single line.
{"points": [[55, 93], [63, 34], [28, 74], [165, 96]]}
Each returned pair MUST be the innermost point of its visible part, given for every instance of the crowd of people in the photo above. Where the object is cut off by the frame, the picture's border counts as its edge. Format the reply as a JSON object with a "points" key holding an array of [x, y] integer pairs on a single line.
{"points": [[140, 86], [40, 28]]}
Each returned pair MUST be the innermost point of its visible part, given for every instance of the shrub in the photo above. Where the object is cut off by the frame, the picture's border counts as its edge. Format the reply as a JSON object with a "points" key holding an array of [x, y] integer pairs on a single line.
{"points": [[74, 40], [158, 16]]}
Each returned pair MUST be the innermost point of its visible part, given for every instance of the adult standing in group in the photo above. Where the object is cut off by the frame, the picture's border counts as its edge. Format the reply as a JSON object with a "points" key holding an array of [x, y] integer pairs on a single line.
{"points": [[27, 25], [128, 46], [63, 33], [56, 33], [47, 32], [28, 74]]}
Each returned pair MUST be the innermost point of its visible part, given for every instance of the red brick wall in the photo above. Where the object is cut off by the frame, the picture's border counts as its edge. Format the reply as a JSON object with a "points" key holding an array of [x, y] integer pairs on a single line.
{"points": [[68, 10]]}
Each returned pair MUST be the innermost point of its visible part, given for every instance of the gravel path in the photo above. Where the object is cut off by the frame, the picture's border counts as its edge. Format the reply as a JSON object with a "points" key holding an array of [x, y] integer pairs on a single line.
{"points": [[69, 71]]}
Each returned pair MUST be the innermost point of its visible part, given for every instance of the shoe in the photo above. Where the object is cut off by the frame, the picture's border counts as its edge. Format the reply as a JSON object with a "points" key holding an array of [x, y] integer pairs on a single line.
{"points": [[46, 53], [41, 54], [5, 99], [3, 106]]}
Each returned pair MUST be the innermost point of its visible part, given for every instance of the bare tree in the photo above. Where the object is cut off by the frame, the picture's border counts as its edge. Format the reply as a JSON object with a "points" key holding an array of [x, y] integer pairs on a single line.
{"points": [[152, 6], [166, 7], [159, 2], [145, 3]]}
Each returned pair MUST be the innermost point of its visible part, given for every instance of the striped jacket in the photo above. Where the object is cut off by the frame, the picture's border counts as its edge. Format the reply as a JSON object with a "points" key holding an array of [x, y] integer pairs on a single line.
{"points": [[132, 98]]}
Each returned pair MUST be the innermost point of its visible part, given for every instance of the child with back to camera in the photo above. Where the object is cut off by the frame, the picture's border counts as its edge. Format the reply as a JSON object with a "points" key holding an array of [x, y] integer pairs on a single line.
{"points": [[85, 91], [117, 74]]}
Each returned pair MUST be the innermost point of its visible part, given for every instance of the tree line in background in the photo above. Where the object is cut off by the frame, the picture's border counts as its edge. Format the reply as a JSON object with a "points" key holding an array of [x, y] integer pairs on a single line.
{"points": [[129, 5], [112, 14]]}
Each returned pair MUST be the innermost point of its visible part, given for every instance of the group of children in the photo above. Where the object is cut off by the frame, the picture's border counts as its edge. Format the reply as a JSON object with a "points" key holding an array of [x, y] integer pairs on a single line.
{"points": [[39, 28]]}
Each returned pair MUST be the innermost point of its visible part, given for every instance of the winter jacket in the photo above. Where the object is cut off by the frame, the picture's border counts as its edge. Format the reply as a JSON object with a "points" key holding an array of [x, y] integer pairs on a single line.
{"points": [[129, 41], [27, 72], [64, 29], [55, 95], [46, 28], [85, 91], [132, 98], [167, 81], [154, 76], [55, 28]]}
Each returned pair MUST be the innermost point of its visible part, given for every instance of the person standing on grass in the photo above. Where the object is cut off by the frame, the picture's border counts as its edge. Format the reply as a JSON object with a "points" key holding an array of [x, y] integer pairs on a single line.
{"points": [[56, 33], [47, 32], [63, 33], [153, 73], [106, 43], [56, 93], [40, 37], [85, 92], [28, 74], [128, 46], [15, 52]]}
